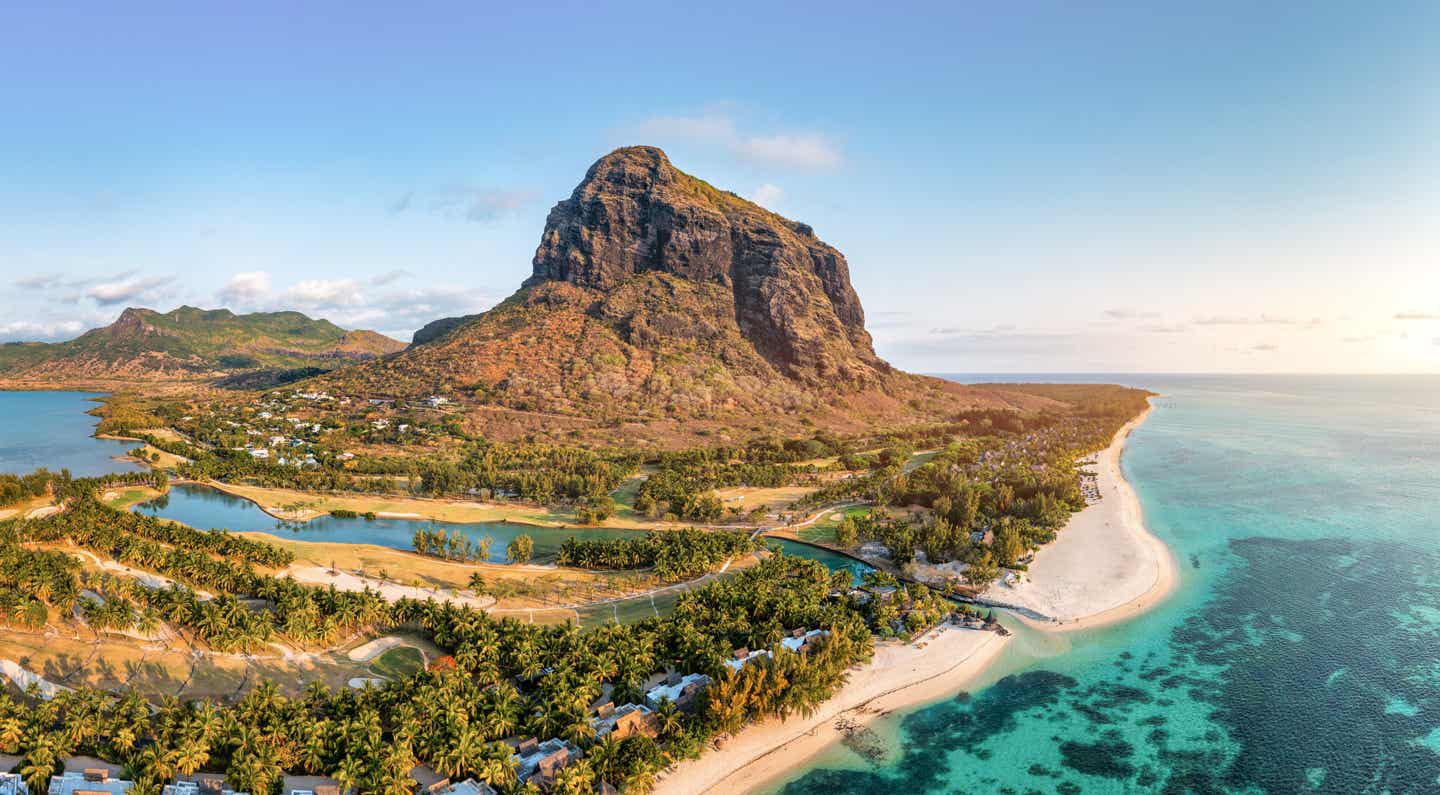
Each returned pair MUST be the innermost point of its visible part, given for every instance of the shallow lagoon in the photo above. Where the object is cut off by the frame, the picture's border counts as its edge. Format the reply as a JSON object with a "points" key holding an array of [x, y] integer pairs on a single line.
{"points": [[1301, 652]]}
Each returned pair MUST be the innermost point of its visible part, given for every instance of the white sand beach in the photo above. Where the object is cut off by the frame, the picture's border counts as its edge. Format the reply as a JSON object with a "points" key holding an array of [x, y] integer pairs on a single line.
{"points": [[899, 676], [1103, 567]]}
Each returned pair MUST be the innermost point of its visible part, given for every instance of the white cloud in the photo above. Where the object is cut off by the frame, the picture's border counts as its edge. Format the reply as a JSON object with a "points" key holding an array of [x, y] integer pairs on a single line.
{"points": [[245, 288], [810, 150], [1125, 313], [1417, 315], [768, 195], [325, 292], [390, 276], [1243, 320], [32, 330], [488, 205], [128, 287], [477, 205], [39, 281], [805, 150]]}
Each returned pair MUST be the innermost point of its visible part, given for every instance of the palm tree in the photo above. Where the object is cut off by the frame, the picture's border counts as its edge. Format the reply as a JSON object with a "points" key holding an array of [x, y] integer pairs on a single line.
{"points": [[191, 755], [667, 718], [40, 763], [497, 765]]}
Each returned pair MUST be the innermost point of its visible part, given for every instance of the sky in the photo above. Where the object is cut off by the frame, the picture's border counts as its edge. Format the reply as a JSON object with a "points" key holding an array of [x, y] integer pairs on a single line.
{"points": [[1018, 187]]}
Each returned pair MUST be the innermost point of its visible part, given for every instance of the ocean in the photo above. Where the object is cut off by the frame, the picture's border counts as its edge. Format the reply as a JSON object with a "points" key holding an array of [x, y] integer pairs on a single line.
{"points": [[51, 429], [1300, 653]]}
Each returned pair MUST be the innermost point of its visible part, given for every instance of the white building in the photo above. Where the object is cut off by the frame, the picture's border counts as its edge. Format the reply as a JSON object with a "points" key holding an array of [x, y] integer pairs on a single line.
{"points": [[467, 787], [12, 784], [744, 657], [200, 785], [90, 781], [678, 690], [800, 640]]}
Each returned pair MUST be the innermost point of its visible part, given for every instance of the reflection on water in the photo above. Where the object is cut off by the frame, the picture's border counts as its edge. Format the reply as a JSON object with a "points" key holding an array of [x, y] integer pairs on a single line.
{"points": [[207, 508]]}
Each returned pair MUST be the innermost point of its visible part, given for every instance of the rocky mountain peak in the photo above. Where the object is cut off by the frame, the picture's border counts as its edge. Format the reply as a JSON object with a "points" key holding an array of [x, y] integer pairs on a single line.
{"points": [[635, 213]]}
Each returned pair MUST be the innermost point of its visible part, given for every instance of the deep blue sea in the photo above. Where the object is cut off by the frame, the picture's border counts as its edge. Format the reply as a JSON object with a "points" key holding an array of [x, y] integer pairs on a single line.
{"points": [[1301, 652], [52, 430]]}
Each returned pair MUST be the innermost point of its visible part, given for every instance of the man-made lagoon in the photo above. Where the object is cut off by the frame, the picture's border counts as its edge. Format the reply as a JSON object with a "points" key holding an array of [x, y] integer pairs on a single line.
{"points": [[207, 508]]}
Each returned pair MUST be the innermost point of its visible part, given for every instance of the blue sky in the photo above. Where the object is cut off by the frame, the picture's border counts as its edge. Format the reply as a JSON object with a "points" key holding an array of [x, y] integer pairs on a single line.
{"points": [[1043, 186]]}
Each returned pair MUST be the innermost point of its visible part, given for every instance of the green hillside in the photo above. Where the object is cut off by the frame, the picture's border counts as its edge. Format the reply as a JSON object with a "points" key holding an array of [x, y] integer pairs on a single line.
{"points": [[193, 343]]}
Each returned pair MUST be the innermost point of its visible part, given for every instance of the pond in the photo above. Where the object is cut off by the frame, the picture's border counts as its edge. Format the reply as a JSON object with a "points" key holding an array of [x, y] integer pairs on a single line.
{"points": [[207, 508]]}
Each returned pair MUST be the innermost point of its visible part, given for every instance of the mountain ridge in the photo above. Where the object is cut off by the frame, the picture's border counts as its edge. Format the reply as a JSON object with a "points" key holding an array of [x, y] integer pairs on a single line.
{"points": [[189, 343], [658, 299]]}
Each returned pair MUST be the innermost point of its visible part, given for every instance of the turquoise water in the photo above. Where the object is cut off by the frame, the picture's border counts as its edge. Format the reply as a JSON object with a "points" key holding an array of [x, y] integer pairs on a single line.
{"points": [[52, 430], [832, 560], [1301, 652]]}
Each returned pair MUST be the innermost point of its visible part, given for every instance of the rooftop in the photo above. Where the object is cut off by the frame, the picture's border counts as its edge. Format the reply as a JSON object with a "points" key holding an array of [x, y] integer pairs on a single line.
{"points": [[87, 783]]}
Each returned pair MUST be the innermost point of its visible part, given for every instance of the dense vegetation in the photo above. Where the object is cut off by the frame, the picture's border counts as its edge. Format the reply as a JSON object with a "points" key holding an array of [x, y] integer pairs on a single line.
{"points": [[674, 554], [508, 679], [451, 544]]}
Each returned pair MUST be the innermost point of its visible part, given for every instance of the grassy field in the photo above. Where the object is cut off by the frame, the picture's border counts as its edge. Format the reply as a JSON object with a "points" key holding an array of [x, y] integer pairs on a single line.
{"points": [[24, 507], [920, 459], [77, 656], [122, 499], [776, 499], [823, 531], [514, 587], [398, 663], [305, 505]]}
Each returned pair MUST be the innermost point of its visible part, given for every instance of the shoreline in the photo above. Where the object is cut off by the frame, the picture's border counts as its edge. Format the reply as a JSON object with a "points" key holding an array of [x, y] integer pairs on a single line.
{"points": [[768, 751], [1104, 567], [765, 751]]}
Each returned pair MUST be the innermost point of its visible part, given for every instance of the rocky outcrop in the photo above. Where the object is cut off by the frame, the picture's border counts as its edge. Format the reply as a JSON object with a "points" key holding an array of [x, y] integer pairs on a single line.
{"points": [[792, 299], [661, 310]]}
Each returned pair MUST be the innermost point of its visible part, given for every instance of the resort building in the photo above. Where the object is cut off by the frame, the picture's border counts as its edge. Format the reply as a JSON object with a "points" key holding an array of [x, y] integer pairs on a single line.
{"points": [[467, 787], [537, 763], [12, 784], [311, 785], [199, 785], [624, 721], [744, 656], [92, 781], [799, 640], [678, 690]]}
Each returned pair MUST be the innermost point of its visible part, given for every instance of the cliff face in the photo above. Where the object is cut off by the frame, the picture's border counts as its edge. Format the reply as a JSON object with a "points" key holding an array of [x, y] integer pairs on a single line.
{"points": [[635, 213], [664, 306]]}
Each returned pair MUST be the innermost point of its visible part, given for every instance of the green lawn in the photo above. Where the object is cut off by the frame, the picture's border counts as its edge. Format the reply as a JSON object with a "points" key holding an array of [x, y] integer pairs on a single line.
{"points": [[398, 663], [128, 497], [625, 497], [919, 460], [823, 531]]}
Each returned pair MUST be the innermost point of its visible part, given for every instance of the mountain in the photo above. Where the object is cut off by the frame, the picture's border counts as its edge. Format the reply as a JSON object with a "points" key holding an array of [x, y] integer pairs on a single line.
{"points": [[191, 344], [657, 299]]}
